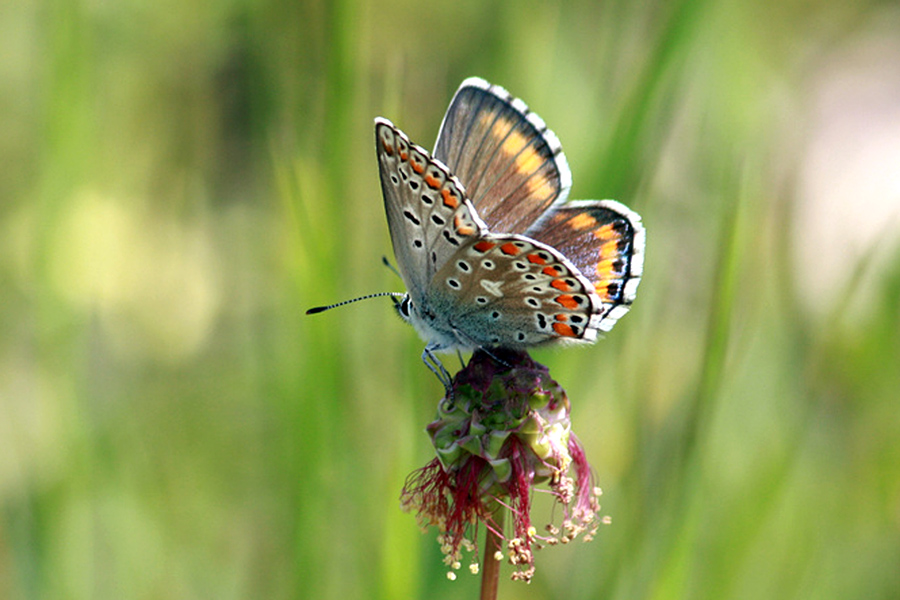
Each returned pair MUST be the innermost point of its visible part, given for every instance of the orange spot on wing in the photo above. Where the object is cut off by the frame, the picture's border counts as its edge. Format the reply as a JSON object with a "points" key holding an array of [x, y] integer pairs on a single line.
{"points": [[606, 232], [534, 258], [500, 127], [450, 198], [403, 155], [610, 248], [509, 249], [562, 317], [608, 254], [418, 167], [387, 147], [432, 182], [605, 269], [567, 301], [584, 221], [560, 285], [541, 187], [483, 246], [513, 143], [462, 228], [563, 330], [529, 161], [551, 271]]}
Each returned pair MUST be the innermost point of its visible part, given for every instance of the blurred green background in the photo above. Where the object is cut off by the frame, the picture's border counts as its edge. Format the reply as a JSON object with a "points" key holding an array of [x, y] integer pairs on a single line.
{"points": [[180, 180]]}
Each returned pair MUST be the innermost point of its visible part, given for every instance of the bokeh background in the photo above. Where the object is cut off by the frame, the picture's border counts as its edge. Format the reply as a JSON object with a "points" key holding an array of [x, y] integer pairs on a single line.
{"points": [[180, 180]]}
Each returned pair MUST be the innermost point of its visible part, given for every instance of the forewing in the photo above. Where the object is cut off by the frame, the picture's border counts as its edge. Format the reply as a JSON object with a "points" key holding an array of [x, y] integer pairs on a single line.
{"points": [[512, 166], [514, 292], [605, 241], [427, 212]]}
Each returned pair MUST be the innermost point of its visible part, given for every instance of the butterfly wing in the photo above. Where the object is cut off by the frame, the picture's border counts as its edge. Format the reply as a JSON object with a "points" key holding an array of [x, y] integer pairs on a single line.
{"points": [[512, 166], [604, 240], [428, 214], [514, 292]]}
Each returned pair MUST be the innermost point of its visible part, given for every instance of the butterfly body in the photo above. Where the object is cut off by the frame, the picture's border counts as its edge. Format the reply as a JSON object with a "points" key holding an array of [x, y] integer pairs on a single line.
{"points": [[490, 252]]}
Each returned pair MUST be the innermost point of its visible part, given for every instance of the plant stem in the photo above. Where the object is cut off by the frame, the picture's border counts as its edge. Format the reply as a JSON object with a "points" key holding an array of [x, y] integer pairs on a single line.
{"points": [[490, 567]]}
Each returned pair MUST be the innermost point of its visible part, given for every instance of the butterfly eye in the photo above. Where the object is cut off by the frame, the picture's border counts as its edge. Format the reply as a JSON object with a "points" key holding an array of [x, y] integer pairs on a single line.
{"points": [[403, 307]]}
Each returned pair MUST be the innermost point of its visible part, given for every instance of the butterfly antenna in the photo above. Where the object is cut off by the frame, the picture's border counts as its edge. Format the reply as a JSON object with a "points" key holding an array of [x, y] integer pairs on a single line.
{"points": [[318, 309], [388, 264]]}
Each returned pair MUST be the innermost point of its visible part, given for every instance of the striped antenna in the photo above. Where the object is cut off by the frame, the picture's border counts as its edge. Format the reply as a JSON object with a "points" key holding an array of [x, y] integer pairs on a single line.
{"points": [[318, 309]]}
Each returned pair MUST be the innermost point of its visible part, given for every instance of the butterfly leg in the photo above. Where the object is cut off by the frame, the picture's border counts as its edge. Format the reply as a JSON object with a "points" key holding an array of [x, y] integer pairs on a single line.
{"points": [[496, 358], [436, 366], [462, 362]]}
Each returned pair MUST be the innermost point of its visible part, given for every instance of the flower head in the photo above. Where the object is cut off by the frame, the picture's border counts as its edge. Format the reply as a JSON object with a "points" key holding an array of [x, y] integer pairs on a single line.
{"points": [[502, 430]]}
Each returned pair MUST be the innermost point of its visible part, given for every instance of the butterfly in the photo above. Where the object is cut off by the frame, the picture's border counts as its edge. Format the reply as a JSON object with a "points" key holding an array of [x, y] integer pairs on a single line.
{"points": [[491, 253]]}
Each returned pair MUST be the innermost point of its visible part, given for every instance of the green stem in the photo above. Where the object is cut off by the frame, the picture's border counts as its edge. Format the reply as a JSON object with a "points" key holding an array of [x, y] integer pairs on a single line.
{"points": [[490, 566]]}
